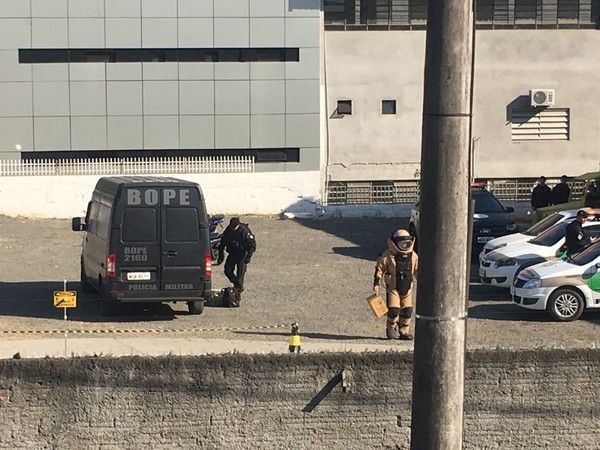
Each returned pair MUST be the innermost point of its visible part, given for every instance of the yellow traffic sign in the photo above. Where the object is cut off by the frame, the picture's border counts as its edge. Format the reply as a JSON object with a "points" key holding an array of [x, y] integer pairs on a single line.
{"points": [[65, 299]]}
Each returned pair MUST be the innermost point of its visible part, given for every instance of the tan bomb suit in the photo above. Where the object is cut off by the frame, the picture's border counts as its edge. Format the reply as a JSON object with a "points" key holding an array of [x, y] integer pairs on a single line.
{"points": [[399, 306]]}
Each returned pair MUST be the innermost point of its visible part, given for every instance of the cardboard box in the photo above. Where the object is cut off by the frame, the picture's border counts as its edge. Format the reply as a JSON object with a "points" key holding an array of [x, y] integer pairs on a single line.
{"points": [[378, 305]]}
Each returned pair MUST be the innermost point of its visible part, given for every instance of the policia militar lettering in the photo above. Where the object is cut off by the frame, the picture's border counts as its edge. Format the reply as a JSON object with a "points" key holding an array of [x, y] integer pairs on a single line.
{"points": [[240, 243], [398, 267]]}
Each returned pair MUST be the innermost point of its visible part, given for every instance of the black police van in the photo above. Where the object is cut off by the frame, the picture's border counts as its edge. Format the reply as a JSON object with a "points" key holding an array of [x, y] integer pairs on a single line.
{"points": [[146, 240]]}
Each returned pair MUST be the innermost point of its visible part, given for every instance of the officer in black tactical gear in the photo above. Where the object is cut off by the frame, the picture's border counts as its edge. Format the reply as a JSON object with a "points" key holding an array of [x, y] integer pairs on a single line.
{"points": [[575, 236], [240, 244]]}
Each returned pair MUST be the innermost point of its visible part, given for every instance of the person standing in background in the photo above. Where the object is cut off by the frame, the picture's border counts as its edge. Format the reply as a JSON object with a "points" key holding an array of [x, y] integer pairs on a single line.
{"points": [[541, 195], [561, 192]]}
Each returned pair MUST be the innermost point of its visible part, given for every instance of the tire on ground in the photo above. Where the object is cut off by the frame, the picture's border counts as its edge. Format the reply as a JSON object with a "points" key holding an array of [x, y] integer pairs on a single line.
{"points": [[196, 307], [566, 304]]}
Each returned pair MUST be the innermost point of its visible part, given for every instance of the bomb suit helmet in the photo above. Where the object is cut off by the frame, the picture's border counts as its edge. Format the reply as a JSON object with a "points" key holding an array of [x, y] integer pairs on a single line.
{"points": [[403, 241]]}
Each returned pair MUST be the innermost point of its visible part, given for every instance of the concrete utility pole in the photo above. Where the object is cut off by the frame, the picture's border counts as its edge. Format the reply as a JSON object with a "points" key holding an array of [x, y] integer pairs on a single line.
{"points": [[439, 357]]}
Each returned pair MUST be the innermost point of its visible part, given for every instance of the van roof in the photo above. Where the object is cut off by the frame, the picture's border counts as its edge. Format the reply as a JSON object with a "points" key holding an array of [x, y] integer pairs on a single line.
{"points": [[111, 185], [142, 179]]}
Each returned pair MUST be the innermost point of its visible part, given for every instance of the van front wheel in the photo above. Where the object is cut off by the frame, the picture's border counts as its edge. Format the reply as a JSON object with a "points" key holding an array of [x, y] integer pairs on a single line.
{"points": [[196, 307]]}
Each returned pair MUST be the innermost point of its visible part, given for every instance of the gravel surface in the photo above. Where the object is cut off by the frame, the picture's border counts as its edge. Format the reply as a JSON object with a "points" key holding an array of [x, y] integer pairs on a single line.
{"points": [[316, 272]]}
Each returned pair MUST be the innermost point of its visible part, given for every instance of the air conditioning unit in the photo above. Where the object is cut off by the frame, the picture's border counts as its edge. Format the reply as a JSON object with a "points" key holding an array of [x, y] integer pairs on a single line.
{"points": [[541, 97]]}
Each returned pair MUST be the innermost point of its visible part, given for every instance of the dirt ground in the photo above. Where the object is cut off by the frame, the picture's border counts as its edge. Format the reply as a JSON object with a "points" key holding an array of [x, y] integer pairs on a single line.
{"points": [[316, 272]]}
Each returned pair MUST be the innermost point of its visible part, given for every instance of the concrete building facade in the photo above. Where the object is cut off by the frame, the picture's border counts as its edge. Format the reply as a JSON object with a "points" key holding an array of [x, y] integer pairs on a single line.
{"points": [[374, 63], [96, 78]]}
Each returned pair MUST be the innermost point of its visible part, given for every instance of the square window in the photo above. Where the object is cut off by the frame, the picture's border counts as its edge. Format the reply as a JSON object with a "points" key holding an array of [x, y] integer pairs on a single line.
{"points": [[344, 107], [388, 106]]}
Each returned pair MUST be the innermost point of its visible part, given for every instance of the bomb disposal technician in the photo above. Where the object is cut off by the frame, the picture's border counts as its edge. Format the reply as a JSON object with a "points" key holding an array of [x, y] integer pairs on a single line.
{"points": [[398, 267]]}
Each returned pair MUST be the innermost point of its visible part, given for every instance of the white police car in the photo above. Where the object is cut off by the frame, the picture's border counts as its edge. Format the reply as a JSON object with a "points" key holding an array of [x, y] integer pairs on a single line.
{"points": [[563, 288], [533, 231], [499, 267]]}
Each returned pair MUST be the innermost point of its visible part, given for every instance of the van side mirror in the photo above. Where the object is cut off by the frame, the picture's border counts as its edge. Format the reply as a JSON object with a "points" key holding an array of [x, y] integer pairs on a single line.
{"points": [[510, 209], [76, 224]]}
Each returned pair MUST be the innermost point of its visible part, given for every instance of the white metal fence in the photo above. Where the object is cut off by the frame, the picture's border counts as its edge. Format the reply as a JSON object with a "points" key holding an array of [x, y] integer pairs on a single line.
{"points": [[127, 166]]}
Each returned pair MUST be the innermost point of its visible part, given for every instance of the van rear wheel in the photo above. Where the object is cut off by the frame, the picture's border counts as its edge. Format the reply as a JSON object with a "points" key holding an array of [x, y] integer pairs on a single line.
{"points": [[196, 307]]}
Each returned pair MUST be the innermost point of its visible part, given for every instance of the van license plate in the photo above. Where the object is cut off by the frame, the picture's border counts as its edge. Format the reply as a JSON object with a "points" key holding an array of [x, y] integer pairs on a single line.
{"points": [[484, 239], [131, 276]]}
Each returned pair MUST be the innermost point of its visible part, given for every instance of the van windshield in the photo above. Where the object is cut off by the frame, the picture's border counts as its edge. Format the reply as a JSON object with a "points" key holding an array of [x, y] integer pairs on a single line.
{"points": [[543, 224], [551, 236]]}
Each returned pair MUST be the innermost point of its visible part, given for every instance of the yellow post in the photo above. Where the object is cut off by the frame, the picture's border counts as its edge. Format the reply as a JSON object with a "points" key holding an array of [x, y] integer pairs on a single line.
{"points": [[295, 339]]}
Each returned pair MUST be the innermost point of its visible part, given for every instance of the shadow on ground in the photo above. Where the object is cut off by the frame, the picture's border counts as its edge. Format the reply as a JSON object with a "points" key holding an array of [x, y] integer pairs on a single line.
{"points": [[366, 236], [324, 336], [36, 299], [479, 292], [513, 313], [508, 312]]}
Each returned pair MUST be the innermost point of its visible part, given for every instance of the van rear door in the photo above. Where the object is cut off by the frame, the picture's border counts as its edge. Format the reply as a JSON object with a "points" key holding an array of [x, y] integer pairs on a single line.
{"points": [[164, 243], [139, 252], [182, 246]]}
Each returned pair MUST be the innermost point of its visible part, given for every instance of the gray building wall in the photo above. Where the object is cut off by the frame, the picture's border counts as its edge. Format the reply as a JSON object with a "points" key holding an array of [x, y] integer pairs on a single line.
{"points": [[513, 400], [161, 105], [370, 66]]}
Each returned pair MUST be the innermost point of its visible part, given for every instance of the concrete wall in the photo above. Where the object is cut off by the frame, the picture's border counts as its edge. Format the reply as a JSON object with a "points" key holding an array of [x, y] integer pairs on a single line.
{"points": [[369, 66], [527, 399], [229, 193]]}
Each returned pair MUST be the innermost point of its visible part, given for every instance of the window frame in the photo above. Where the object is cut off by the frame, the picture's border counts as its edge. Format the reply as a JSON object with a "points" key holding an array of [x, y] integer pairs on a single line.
{"points": [[389, 102], [346, 109]]}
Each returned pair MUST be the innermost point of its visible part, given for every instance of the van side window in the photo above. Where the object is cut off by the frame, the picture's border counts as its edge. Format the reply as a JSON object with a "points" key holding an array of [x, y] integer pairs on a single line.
{"points": [[182, 225], [103, 222], [139, 225], [92, 219], [87, 212]]}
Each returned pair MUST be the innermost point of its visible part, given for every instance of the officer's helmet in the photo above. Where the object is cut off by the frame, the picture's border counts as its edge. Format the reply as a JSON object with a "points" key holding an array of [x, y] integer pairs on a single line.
{"points": [[403, 240]]}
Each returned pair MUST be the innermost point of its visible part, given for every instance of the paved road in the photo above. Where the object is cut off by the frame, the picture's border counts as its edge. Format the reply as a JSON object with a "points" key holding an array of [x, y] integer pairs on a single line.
{"points": [[316, 272]]}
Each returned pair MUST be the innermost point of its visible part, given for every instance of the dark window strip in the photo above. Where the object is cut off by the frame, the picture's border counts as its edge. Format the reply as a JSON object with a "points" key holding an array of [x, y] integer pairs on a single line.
{"points": [[385, 14], [261, 155], [479, 26], [112, 55]]}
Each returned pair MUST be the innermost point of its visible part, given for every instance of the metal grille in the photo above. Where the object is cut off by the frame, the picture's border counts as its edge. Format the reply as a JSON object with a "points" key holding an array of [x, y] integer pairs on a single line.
{"points": [[394, 192], [369, 193], [512, 190], [126, 166], [547, 124], [519, 190]]}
